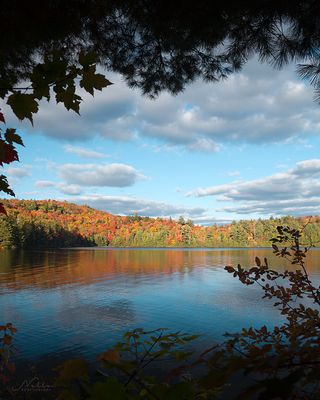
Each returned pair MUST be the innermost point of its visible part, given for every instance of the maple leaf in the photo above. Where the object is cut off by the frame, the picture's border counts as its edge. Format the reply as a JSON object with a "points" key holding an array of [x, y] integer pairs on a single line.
{"points": [[91, 80], [23, 105], [10, 154], [12, 137]]}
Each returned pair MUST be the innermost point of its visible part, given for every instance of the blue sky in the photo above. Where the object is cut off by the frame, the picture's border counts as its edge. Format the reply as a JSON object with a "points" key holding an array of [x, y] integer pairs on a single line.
{"points": [[247, 147]]}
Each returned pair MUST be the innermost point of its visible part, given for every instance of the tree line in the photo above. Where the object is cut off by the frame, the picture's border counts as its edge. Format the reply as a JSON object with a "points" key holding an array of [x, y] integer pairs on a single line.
{"points": [[50, 223]]}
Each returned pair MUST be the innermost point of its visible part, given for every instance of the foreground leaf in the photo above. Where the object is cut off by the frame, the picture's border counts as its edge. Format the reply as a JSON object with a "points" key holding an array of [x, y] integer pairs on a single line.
{"points": [[23, 105]]}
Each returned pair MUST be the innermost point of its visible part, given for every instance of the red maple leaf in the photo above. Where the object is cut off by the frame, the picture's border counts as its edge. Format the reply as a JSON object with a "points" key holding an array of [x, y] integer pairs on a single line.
{"points": [[10, 154]]}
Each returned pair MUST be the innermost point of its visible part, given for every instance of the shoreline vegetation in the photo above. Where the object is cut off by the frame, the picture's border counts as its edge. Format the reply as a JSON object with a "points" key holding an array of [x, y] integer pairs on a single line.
{"points": [[55, 224]]}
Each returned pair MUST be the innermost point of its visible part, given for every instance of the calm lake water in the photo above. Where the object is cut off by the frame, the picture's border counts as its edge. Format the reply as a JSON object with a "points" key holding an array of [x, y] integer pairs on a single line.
{"points": [[78, 302]]}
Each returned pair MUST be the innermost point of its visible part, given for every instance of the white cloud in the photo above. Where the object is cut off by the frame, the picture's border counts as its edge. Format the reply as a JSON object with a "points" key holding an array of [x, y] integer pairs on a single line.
{"points": [[61, 187], [297, 206], [83, 152], [296, 191], [112, 175], [307, 168], [258, 105], [248, 107], [208, 220], [18, 172], [69, 189], [107, 114], [204, 145], [127, 205], [44, 184]]}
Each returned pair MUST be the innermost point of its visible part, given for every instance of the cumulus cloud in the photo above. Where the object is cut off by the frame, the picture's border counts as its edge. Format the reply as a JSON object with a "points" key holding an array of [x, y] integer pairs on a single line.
{"points": [[77, 176], [208, 220], [69, 189], [18, 172], [112, 175], [108, 114], [126, 205], [83, 152], [204, 145], [296, 191], [61, 187], [257, 105], [279, 207], [44, 184], [278, 186], [307, 168]]}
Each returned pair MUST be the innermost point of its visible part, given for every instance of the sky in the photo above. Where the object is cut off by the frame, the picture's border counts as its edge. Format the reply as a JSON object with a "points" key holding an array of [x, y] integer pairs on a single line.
{"points": [[244, 148]]}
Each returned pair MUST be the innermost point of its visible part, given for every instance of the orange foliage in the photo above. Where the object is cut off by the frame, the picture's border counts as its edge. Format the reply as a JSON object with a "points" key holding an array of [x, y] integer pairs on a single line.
{"points": [[50, 223]]}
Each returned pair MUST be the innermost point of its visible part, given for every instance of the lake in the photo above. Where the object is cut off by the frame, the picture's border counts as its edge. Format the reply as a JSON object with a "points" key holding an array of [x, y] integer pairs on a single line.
{"points": [[78, 302]]}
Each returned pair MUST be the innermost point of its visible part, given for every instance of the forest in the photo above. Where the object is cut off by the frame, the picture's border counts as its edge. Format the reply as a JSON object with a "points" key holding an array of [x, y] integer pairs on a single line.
{"points": [[50, 224]]}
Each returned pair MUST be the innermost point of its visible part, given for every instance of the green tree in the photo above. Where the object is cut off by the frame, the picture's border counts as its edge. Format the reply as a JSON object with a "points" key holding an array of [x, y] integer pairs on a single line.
{"points": [[239, 234], [186, 234], [101, 240], [9, 236]]}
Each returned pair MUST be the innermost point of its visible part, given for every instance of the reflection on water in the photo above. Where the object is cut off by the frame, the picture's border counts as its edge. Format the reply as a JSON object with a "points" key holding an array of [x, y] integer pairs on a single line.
{"points": [[80, 301]]}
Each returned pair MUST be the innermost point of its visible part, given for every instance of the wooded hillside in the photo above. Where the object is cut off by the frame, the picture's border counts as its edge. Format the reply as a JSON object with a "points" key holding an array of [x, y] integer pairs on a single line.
{"points": [[50, 223]]}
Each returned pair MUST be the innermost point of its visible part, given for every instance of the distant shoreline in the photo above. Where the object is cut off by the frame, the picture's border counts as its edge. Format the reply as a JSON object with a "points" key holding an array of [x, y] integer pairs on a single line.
{"points": [[142, 248], [58, 224]]}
